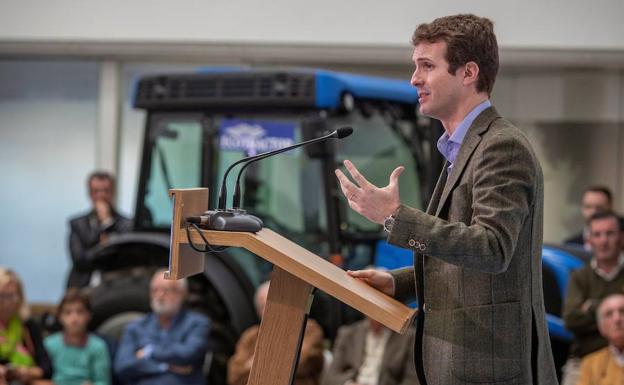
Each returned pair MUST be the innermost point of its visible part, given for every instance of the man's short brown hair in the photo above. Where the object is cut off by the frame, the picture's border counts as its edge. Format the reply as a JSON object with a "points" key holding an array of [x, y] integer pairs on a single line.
{"points": [[600, 215], [468, 38], [99, 174]]}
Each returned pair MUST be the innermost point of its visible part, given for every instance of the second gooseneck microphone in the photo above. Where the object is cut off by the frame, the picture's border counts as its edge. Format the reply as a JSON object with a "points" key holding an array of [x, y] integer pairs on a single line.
{"points": [[340, 133], [236, 219]]}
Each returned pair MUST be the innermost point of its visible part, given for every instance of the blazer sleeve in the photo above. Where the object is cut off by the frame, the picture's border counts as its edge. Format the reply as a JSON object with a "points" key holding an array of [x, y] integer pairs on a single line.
{"points": [[576, 320], [121, 224], [81, 239], [404, 284], [126, 365], [502, 196]]}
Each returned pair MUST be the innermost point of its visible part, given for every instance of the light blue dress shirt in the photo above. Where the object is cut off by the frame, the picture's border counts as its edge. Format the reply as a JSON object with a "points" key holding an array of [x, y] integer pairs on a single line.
{"points": [[449, 146]]}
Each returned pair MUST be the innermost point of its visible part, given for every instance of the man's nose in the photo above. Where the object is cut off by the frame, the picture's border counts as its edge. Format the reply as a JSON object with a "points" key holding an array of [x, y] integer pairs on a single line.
{"points": [[416, 79]]}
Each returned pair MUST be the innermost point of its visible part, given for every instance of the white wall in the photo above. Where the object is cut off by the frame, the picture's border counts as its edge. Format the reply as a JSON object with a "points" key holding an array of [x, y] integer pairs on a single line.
{"points": [[47, 148], [575, 121], [561, 24]]}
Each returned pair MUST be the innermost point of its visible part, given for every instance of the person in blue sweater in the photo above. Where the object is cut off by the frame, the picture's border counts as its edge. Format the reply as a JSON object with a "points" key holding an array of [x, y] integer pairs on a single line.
{"points": [[167, 346], [78, 357]]}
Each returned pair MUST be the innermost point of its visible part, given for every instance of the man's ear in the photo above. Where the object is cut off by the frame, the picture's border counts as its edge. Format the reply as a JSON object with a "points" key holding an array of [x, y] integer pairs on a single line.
{"points": [[470, 73]]}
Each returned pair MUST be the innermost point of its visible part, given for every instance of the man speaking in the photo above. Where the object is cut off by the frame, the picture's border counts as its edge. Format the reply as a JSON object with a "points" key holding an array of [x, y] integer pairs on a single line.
{"points": [[477, 248]]}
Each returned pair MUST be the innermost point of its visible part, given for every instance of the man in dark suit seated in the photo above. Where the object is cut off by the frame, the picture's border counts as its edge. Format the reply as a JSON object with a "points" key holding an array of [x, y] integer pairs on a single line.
{"points": [[168, 346], [94, 227], [368, 353]]}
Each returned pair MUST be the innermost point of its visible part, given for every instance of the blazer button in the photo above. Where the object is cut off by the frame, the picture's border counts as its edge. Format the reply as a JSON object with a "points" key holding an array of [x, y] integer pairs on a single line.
{"points": [[411, 242]]}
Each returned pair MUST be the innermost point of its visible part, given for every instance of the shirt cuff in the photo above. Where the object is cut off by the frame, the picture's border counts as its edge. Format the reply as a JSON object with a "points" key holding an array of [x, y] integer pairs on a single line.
{"points": [[148, 350]]}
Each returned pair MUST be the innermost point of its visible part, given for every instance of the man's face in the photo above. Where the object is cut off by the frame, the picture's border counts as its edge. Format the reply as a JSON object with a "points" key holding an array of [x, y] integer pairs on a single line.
{"points": [[611, 320], [74, 317], [101, 189], [439, 93], [605, 239], [593, 202], [167, 296]]}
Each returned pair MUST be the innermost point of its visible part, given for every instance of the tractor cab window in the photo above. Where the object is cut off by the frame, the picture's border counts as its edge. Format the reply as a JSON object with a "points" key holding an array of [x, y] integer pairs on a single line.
{"points": [[376, 148], [175, 162]]}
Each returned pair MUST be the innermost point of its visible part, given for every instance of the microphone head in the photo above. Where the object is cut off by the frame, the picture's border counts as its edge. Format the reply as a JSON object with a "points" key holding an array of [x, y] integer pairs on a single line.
{"points": [[343, 132]]}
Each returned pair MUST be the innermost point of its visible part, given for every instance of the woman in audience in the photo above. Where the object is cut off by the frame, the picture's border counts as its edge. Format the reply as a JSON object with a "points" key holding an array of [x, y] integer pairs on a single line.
{"points": [[23, 359], [78, 357]]}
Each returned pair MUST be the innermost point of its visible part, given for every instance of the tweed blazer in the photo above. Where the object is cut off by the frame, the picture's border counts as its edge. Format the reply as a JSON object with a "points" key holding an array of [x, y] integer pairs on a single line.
{"points": [[397, 363], [477, 264]]}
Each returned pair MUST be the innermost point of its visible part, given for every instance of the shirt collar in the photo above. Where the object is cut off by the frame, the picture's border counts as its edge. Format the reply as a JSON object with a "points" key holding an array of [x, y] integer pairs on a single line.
{"points": [[449, 146], [156, 322], [81, 343], [610, 276], [618, 356]]}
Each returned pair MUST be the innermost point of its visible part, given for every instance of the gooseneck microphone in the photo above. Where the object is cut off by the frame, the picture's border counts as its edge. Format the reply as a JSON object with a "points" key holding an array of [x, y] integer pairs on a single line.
{"points": [[236, 219], [340, 133]]}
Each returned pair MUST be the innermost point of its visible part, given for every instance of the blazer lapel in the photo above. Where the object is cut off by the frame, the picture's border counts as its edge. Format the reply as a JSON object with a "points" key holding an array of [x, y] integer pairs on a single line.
{"points": [[437, 191], [471, 140]]}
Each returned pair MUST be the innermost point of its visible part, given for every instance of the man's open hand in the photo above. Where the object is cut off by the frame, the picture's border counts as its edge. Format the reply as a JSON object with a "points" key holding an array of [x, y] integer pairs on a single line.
{"points": [[374, 203]]}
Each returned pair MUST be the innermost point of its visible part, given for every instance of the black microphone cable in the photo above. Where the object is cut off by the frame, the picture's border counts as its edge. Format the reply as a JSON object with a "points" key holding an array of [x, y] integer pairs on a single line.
{"points": [[208, 247]]}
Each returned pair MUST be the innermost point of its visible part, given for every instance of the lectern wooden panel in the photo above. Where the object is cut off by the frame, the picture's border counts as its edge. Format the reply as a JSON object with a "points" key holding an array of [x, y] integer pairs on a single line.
{"points": [[296, 272], [186, 202]]}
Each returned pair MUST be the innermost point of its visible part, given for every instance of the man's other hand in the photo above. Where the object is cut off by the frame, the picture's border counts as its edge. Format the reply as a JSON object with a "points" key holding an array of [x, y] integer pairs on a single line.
{"points": [[103, 211], [380, 280]]}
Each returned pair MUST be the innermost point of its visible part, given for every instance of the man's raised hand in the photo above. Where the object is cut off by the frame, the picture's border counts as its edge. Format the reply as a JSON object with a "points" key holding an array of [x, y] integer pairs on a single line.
{"points": [[374, 203]]}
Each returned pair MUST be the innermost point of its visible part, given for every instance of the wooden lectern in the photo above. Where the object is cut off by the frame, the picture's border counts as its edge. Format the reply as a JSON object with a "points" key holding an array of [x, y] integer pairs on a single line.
{"points": [[295, 273]]}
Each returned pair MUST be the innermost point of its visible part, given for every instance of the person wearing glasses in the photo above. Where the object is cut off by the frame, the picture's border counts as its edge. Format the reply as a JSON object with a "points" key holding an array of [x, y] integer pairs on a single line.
{"points": [[23, 358]]}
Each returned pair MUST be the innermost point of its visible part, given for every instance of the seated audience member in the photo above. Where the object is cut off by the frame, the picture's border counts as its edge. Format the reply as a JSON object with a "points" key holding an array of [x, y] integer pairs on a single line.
{"points": [[310, 361], [167, 346], [23, 358], [368, 353], [604, 275], [606, 366], [78, 357], [595, 199], [94, 227]]}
